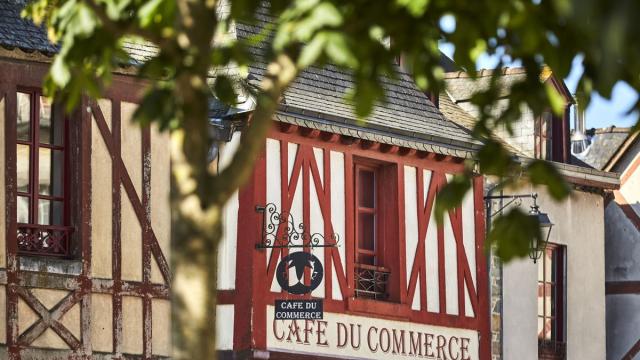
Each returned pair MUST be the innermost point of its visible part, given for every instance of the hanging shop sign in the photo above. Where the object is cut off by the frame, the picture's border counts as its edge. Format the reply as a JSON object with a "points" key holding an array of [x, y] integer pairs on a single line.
{"points": [[359, 337], [299, 309], [279, 230], [290, 273]]}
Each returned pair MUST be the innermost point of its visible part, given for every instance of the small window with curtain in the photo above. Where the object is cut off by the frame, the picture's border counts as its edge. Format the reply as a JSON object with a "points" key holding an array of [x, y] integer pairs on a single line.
{"points": [[371, 276], [551, 304], [42, 203]]}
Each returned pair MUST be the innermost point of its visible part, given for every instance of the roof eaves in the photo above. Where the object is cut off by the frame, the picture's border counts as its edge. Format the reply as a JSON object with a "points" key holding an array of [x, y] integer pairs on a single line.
{"points": [[380, 134], [584, 176]]}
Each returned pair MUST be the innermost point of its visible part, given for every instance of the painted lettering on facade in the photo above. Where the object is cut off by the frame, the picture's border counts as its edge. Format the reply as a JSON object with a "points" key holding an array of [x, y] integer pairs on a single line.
{"points": [[362, 337]]}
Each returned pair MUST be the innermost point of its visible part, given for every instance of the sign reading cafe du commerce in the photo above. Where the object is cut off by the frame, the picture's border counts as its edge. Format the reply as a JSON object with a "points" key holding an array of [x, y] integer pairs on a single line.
{"points": [[369, 338]]}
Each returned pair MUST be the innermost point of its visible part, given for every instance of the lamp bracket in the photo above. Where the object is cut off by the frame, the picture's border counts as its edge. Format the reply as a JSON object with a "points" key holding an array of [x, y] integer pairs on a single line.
{"points": [[279, 230], [513, 199]]}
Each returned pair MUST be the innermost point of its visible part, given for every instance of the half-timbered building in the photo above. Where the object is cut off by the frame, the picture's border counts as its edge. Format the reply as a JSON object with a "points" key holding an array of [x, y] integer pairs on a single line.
{"points": [[85, 231], [359, 198]]}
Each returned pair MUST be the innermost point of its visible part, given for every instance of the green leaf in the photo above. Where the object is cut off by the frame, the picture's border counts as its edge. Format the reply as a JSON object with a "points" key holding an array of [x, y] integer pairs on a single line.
{"points": [[338, 50], [312, 51], [512, 233], [544, 173], [59, 71], [148, 11], [416, 8], [555, 99], [451, 195], [494, 159], [224, 90]]}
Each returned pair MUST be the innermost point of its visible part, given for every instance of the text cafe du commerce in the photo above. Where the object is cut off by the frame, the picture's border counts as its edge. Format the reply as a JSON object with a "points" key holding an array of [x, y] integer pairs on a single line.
{"points": [[349, 336]]}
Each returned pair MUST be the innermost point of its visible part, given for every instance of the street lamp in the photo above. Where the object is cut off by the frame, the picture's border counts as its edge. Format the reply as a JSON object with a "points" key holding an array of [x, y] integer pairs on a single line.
{"points": [[537, 244]]}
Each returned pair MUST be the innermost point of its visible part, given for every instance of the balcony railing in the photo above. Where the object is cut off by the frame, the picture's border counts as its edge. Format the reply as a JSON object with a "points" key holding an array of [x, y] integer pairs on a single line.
{"points": [[551, 350], [371, 282], [45, 240]]}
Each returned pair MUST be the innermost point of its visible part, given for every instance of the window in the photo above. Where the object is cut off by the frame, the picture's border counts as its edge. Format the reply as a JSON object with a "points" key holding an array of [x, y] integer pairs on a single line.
{"points": [[543, 136], [372, 218], [41, 176], [551, 303]]}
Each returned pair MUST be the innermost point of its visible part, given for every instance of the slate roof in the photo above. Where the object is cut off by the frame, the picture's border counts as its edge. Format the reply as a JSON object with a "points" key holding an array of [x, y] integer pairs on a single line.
{"points": [[604, 144], [18, 33], [319, 93]]}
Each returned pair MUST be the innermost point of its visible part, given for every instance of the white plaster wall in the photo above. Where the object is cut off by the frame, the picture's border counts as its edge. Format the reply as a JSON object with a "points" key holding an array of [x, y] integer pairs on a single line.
{"points": [[131, 235], [623, 262], [101, 202], [580, 226], [519, 281], [224, 327], [623, 317], [622, 247], [159, 199], [229, 242], [338, 215]]}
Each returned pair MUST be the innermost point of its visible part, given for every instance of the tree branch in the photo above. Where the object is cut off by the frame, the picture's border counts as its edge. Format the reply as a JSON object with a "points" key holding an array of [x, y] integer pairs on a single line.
{"points": [[280, 74]]}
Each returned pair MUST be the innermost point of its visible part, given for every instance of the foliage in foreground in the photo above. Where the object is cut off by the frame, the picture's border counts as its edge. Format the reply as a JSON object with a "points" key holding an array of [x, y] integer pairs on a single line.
{"points": [[350, 34]]}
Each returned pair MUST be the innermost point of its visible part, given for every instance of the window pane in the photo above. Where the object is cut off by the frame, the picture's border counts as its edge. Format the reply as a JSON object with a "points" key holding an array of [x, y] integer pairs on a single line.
{"points": [[23, 209], [51, 123], [540, 327], [540, 299], [366, 231], [23, 158], [44, 212], [366, 188], [547, 329], [366, 259], [24, 116], [548, 296], [548, 263], [51, 166], [541, 270], [50, 212]]}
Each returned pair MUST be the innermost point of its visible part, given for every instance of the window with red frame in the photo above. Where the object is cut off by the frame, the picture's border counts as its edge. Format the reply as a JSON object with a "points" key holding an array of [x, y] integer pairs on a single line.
{"points": [[41, 176], [371, 276], [551, 303]]}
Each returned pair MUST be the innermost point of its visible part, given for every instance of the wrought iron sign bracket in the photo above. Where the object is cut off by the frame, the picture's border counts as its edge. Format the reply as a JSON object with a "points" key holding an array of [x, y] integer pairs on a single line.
{"points": [[279, 230]]}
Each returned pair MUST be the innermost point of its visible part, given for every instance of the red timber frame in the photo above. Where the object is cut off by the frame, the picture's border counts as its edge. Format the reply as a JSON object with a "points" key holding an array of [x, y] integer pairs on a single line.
{"points": [[19, 74], [250, 327]]}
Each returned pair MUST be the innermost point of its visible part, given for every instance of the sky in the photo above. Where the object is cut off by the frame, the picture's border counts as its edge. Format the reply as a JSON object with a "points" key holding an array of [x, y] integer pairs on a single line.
{"points": [[600, 113]]}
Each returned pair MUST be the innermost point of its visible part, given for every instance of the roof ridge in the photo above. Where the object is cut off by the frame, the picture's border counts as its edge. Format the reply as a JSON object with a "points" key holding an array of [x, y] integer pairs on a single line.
{"points": [[485, 72]]}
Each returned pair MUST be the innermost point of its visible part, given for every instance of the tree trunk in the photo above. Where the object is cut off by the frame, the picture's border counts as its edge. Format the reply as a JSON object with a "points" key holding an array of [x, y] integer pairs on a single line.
{"points": [[198, 197]]}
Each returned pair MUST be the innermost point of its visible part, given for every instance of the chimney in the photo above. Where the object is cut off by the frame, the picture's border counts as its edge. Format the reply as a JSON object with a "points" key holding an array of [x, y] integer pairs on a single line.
{"points": [[579, 140], [579, 114]]}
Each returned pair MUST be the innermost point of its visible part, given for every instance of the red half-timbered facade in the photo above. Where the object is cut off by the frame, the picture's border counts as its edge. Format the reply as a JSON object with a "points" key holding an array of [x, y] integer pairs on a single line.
{"points": [[435, 291]]}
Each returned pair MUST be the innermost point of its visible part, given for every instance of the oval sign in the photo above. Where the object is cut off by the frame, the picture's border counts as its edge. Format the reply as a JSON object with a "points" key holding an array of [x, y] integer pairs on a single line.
{"points": [[290, 273]]}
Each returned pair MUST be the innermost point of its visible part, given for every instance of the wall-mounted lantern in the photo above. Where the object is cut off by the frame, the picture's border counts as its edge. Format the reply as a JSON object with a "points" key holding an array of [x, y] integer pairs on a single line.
{"points": [[537, 245]]}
